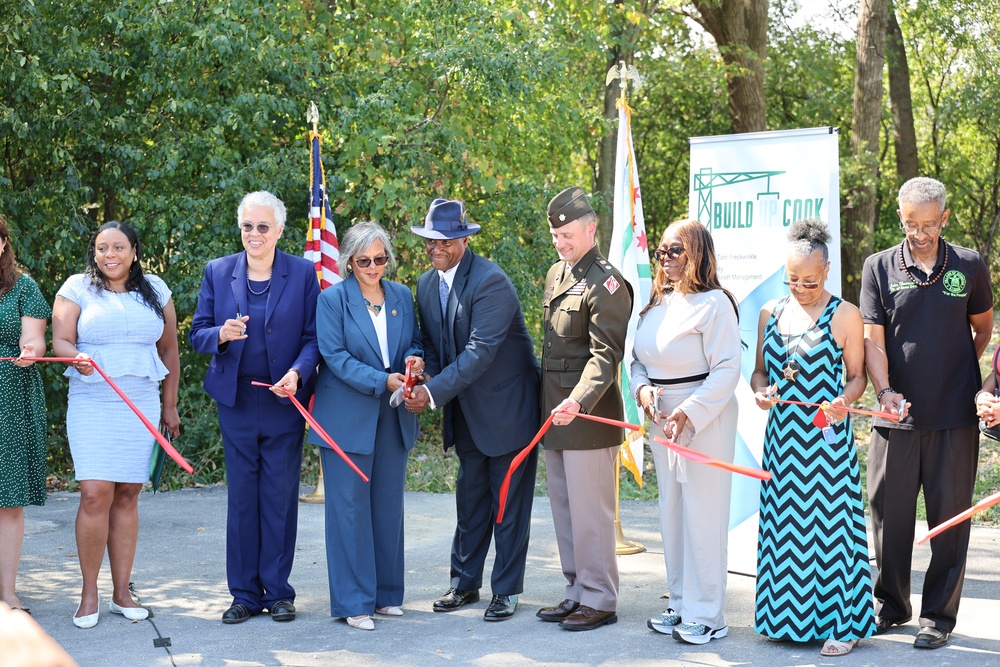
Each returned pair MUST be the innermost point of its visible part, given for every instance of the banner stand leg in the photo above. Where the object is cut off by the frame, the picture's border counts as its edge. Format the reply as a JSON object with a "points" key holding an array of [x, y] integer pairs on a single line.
{"points": [[318, 494], [623, 546]]}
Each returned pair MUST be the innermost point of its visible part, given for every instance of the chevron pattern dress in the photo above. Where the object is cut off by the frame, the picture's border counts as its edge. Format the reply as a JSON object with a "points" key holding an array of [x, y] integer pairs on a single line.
{"points": [[813, 576]]}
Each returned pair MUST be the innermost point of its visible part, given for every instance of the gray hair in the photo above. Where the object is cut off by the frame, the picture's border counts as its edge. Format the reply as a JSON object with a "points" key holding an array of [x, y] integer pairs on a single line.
{"points": [[358, 239], [263, 198], [923, 190], [809, 235]]}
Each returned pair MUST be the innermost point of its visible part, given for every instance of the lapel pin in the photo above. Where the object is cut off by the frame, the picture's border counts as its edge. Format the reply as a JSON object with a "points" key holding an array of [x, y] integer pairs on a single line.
{"points": [[394, 312]]}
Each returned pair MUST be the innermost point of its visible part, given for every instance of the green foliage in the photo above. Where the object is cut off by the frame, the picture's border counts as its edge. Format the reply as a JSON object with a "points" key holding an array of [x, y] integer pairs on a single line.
{"points": [[165, 113]]}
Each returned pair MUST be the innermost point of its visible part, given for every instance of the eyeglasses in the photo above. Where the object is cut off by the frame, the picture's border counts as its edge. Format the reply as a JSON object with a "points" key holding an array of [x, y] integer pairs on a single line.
{"points": [[673, 252], [432, 243], [913, 229], [798, 283], [365, 262], [262, 228]]}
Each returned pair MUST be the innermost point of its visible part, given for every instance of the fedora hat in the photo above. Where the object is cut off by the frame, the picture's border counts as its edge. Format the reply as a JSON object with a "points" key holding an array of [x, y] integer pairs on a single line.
{"points": [[446, 220]]}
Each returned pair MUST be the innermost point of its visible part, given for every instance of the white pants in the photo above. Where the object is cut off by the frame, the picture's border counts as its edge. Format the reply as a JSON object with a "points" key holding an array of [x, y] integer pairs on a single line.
{"points": [[694, 514]]}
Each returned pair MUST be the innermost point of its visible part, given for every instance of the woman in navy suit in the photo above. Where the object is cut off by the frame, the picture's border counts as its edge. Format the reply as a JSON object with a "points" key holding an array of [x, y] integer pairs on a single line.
{"points": [[256, 316], [367, 329]]}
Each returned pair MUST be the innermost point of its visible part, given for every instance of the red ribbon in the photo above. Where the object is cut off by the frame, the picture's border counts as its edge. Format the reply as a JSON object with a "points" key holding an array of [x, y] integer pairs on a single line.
{"points": [[523, 454], [167, 447], [409, 381], [605, 420], [319, 429], [891, 416], [699, 457], [983, 504]]}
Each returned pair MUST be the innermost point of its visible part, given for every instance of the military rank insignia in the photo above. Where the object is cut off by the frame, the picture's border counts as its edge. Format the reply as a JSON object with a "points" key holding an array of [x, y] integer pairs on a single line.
{"points": [[612, 284]]}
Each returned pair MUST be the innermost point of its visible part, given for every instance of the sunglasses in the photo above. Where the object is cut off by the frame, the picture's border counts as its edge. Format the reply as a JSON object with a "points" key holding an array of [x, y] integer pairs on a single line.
{"points": [[365, 262], [262, 228], [673, 252], [796, 283]]}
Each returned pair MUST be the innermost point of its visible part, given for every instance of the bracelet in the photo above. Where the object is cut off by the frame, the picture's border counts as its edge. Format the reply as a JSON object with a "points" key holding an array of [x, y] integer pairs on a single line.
{"points": [[886, 390], [638, 390]]}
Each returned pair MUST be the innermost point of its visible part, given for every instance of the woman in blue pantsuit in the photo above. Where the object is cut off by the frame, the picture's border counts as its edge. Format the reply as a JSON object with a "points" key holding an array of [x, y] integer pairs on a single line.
{"points": [[256, 316], [367, 330]]}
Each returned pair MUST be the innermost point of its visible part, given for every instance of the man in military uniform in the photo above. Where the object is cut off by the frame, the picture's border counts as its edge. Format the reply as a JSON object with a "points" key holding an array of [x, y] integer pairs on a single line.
{"points": [[587, 305]]}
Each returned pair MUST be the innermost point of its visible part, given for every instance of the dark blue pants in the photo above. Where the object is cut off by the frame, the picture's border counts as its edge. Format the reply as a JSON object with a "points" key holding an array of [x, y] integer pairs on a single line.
{"points": [[364, 522], [262, 440], [477, 499]]}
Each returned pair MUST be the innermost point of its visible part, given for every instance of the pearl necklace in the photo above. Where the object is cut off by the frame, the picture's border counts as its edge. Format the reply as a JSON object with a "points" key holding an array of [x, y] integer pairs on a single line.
{"points": [[944, 265]]}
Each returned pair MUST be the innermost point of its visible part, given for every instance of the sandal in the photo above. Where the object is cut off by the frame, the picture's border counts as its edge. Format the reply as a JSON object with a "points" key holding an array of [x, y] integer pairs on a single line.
{"points": [[833, 648]]}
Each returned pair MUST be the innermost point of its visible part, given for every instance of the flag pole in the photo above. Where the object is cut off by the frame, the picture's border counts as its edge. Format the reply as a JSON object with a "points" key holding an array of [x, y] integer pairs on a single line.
{"points": [[623, 546], [318, 495]]}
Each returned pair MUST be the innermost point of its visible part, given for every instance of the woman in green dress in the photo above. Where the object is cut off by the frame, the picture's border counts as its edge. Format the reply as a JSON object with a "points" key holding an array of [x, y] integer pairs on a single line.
{"points": [[23, 315]]}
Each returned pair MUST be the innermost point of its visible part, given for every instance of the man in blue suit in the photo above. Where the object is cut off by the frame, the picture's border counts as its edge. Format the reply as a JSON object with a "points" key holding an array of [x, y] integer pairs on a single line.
{"points": [[483, 372]]}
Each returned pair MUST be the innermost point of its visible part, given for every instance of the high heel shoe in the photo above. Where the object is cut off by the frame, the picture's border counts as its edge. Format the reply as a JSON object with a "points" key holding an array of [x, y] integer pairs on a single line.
{"points": [[131, 613], [88, 621]]}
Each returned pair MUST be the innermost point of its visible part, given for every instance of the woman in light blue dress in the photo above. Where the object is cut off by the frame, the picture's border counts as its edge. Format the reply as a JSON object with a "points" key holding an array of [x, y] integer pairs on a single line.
{"points": [[124, 321]]}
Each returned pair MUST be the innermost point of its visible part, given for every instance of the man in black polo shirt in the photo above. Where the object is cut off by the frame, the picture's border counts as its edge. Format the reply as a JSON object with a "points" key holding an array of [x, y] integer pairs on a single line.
{"points": [[928, 312]]}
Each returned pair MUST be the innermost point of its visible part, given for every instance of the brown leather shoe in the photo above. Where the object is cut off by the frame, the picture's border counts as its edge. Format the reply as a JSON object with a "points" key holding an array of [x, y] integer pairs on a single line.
{"points": [[559, 612], [586, 618]]}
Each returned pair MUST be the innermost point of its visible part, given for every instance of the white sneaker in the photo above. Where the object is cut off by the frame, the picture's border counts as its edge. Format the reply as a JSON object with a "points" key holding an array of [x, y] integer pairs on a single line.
{"points": [[389, 611], [694, 633], [361, 622], [665, 622]]}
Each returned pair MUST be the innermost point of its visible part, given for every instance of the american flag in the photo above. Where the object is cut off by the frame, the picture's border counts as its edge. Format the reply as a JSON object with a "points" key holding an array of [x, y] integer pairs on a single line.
{"points": [[322, 248]]}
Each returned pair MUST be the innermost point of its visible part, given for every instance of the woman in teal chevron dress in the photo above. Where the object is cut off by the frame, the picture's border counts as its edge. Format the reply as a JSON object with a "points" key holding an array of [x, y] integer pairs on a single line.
{"points": [[813, 576]]}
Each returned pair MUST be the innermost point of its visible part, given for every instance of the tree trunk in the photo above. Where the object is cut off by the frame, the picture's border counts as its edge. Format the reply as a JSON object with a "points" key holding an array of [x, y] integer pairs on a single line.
{"points": [[905, 138], [859, 208], [740, 31], [608, 151]]}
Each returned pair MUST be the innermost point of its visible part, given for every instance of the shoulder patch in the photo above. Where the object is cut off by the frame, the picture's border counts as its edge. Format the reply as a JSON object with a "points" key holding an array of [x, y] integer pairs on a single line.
{"points": [[611, 284]]}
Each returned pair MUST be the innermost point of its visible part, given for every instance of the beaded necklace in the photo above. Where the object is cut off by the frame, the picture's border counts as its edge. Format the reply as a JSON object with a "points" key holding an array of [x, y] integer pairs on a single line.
{"points": [[944, 265], [263, 291], [791, 367]]}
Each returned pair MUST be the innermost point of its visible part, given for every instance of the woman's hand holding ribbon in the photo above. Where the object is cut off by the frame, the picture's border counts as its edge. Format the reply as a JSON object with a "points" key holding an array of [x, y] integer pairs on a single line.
{"points": [[27, 350], [289, 382], [765, 397], [83, 365], [834, 414]]}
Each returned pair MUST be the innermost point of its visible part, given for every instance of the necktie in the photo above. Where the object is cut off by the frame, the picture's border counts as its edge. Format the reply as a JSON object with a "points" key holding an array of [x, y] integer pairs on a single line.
{"points": [[443, 294]]}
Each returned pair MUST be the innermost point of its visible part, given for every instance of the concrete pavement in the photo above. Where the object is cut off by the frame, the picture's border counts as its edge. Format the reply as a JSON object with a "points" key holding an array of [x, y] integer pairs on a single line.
{"points": [[180, 575]]}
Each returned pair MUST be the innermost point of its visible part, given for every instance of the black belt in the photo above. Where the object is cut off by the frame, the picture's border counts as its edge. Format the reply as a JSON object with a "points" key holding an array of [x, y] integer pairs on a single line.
{"points": [[564, 364], [690, 378]]}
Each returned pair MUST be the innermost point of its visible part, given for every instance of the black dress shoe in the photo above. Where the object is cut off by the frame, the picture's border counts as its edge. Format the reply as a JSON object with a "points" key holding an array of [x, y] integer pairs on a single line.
{"points": [[559, 612], [931, 637], [883, 624], [501, 608], [455, 599], [283, 610], [236, 614]]}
